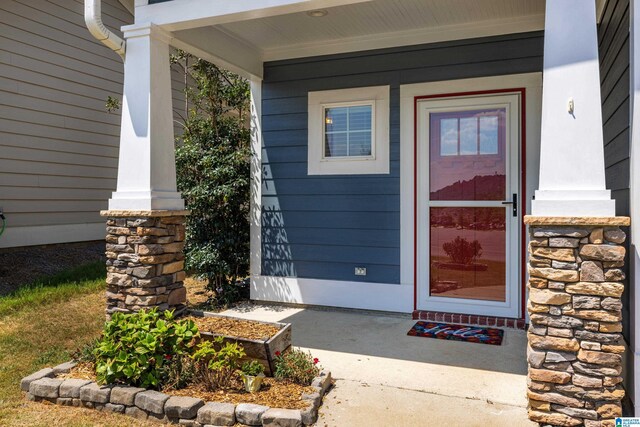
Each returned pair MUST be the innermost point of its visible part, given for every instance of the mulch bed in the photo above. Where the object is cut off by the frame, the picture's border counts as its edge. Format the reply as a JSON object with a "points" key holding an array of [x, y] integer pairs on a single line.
{"points": [[247, 329], [273, 393], [82, 371]]}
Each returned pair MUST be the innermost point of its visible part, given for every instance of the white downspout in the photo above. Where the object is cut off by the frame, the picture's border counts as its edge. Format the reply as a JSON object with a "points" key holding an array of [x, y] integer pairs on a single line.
{"points": [[93, 19]]}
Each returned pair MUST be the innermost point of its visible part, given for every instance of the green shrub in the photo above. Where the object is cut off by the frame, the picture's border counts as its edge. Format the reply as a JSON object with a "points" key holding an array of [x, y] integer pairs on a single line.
{"points": [[252, 368], [134, 348], [296, 366], [213, 173], [217, 368]]}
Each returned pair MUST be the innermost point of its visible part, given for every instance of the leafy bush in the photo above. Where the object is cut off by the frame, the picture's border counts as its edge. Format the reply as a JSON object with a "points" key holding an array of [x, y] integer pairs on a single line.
{"points": [[253, 368], [462, 251], [296, 366], [135, 348], [216, 368], [213, 172]]}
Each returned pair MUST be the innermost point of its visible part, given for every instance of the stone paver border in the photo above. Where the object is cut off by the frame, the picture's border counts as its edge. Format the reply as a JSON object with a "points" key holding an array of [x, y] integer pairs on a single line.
{"points": [[140, 403]]}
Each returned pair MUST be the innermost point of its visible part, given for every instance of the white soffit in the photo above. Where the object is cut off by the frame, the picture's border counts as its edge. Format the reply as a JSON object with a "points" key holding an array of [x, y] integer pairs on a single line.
{"points": [[376, 24], [386, 23]]}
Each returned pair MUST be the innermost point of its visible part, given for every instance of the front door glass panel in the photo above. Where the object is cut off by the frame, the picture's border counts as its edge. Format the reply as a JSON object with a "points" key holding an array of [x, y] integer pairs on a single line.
{"points": [[467, 252], [467, 169], [467, 158]]}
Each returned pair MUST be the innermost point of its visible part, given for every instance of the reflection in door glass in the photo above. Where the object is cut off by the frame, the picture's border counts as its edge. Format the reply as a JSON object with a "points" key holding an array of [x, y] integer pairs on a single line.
{"points": [[468, 253], [467, 155]]}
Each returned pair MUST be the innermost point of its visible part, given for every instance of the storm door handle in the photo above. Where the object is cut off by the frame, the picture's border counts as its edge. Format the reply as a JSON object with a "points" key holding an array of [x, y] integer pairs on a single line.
{"points": [[513, 203]]}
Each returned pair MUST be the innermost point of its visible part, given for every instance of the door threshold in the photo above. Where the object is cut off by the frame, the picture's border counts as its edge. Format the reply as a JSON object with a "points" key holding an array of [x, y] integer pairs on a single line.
{"points": [[469, 319]]}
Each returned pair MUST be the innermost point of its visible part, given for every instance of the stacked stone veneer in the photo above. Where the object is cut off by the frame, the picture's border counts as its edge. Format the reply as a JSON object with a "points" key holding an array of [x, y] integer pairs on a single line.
{"points": [[575, 342], [145, 260]]}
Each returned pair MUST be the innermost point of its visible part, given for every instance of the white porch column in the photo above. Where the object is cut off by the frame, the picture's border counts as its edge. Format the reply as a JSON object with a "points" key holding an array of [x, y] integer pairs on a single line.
{"points": [[255, 217], [572, 180], [634, 249], [146, 167]]}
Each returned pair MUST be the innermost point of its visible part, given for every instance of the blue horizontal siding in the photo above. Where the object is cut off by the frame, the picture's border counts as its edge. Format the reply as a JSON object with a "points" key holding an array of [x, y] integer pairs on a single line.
{"points": [[328, 203], [322, 227], [334, 221], [326, 253], [331, 270], [329, 185], [287, 169], [347, 237]]}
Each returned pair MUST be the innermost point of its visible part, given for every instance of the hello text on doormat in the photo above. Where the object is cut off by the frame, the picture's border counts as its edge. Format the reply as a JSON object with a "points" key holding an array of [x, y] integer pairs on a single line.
{"points": [[447, 331]]}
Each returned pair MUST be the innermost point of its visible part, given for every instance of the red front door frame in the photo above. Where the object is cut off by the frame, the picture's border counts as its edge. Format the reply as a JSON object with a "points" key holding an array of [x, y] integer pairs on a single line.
{"points": [[523, 182]]}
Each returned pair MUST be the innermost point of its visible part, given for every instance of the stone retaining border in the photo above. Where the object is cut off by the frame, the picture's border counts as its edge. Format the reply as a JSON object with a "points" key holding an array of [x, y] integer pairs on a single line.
{"points": [[152, 405]]}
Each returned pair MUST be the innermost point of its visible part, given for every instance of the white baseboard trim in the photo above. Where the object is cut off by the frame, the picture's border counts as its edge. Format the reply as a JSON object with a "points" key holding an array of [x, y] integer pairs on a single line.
{"points": [[51, 234], [361, 295]]}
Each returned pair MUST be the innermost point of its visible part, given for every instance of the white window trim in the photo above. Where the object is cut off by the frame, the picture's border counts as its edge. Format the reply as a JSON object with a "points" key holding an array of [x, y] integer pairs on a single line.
{"points": [[378, 162]]}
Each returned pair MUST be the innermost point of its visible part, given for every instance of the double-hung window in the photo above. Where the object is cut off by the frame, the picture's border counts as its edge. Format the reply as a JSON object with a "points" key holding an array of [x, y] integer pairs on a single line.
{"points": [[348, 130]]}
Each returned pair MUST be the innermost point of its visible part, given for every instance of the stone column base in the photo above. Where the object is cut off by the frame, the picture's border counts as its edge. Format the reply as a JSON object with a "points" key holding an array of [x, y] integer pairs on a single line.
{"points": [[145, 260], [575, 347]]}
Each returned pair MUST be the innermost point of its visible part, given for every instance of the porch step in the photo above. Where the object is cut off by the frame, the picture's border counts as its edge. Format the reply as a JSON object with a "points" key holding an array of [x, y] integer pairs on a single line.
{"points": [[469, 319]]}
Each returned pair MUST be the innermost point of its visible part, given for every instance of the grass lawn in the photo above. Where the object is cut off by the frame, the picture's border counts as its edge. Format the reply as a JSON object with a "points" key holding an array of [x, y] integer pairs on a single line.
{"points": [[40, 326]]}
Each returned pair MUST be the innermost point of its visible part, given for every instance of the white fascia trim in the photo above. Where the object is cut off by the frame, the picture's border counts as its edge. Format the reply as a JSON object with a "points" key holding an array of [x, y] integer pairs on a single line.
{"points": [[531, 81], [360, 295], [183, 14], [407, 38], [51, 234], [379, 163]]}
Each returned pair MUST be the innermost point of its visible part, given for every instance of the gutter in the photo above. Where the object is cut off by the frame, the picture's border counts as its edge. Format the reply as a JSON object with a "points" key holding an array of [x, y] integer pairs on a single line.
{"points": [[93, 20]]}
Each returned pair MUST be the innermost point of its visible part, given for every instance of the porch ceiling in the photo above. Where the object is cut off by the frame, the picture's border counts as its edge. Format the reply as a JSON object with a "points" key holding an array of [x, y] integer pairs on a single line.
{"points": [[283, 35], [359, 25]]}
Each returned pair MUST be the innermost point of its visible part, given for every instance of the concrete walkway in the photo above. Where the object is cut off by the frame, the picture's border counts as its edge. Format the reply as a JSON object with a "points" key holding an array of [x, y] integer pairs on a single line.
{"points": [[386, 378]]}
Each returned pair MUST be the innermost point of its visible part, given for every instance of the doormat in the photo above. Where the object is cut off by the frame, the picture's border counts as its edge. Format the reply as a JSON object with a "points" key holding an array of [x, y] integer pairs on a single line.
{"points": [[448, 331]]}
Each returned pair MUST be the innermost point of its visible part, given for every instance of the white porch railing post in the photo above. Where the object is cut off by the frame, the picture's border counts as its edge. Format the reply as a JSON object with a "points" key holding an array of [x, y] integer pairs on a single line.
{"points": [[572, 179], [146, 167]]}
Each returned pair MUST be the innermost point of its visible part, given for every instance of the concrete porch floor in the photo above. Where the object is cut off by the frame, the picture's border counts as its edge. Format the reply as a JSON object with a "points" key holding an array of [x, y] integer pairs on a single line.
{"points": [[386, 378]]}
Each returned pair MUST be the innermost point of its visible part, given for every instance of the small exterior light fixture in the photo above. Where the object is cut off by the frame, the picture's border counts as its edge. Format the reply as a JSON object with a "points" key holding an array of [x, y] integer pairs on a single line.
{"points": [[570, 106], [317, 13]]}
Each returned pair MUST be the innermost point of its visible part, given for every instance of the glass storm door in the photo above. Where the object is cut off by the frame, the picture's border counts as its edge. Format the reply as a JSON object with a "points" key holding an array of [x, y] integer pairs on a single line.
{"points": [[468, 214]]}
